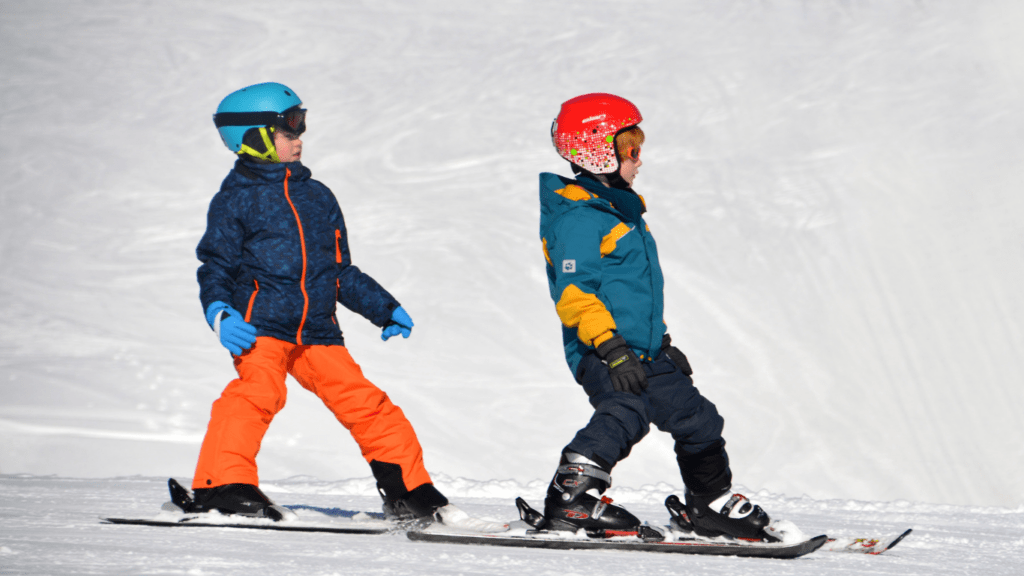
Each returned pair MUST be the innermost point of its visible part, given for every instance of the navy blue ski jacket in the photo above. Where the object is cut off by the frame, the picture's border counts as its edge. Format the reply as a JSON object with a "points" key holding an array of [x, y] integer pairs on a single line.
{"points": [[276, 249]]}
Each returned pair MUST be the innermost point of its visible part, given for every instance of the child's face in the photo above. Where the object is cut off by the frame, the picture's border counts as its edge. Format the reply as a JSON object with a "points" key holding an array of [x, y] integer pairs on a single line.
{"points": [[628, 170], [289, 146]]}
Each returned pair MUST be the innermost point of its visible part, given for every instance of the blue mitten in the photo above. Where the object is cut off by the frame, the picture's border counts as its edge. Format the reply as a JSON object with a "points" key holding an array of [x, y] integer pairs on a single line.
{"points": [[400, 323], [234, 332]]}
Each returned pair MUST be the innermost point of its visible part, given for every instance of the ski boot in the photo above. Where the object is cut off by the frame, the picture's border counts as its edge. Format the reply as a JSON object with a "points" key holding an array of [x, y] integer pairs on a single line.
{"points": [[416, 505], [721, 514], [425, 505], [574, 499], [240, 499]]}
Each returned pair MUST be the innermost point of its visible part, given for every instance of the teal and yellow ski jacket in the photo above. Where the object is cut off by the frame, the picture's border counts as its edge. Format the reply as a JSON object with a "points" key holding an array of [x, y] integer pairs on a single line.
{"points": [[602, 265]]}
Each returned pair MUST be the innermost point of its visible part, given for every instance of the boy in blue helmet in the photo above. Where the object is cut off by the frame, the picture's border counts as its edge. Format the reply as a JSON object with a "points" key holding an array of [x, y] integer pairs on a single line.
{"points": [[605, 279], [275, 262]]}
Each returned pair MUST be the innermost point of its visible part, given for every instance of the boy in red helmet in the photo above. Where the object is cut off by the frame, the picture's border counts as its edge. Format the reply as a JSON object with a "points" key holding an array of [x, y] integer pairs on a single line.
{"points": [[275, 264], [607, 285]]}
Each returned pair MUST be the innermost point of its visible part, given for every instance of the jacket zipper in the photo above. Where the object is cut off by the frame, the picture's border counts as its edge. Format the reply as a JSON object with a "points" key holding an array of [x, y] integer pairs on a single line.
{"points": [[302, 243], [337, 258], [252, 300]]}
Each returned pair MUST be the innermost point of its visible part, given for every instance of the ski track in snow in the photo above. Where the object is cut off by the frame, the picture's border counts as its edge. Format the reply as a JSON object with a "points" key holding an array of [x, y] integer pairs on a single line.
{"points": [[834, 186]]}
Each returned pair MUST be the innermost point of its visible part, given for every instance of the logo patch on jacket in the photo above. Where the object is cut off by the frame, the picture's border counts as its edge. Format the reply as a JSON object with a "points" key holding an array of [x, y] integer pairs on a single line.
{"points": [[569, 266]]}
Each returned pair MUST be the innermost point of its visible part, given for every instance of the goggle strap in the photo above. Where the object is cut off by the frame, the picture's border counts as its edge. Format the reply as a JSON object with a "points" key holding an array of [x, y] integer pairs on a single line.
{"points": [[265, 118], [244, 118]]}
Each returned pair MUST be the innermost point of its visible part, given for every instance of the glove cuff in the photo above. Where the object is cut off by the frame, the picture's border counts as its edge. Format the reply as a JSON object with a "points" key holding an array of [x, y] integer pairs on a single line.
{"points": [[216, 323], [602, 338], [214, 310]]}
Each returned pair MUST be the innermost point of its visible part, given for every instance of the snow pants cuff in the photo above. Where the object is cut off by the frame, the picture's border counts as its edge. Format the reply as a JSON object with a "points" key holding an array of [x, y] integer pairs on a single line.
{"points": [[421, 500], [706, 472]]}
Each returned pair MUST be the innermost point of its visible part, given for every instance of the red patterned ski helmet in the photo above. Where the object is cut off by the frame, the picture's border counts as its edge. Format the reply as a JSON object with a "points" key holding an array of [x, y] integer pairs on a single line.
{"points": [[584, 131]]}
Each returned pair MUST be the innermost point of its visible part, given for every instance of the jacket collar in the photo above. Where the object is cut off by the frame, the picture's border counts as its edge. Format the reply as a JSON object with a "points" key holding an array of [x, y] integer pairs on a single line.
{"points": [[626, 201], [257, 172]]}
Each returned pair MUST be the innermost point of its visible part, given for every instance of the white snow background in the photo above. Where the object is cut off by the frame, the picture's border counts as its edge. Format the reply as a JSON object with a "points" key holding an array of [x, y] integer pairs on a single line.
{"points": [[835, 187]]}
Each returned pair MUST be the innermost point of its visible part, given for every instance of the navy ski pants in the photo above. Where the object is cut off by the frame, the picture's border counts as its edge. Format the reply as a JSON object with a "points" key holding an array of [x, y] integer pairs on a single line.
{"points": [[672, 403]]}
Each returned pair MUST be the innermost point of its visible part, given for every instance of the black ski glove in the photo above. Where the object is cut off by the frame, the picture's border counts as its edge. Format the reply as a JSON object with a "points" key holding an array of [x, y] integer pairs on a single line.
{"points": [[676, 355], [625, 370]]}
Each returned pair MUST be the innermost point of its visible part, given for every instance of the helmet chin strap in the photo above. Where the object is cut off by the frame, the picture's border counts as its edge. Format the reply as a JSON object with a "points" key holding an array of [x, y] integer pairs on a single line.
{"points": [[270, 155]]}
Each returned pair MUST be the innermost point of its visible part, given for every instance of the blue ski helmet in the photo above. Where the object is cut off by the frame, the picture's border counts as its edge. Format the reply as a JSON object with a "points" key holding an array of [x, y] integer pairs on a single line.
{"points": [[240, 106]]}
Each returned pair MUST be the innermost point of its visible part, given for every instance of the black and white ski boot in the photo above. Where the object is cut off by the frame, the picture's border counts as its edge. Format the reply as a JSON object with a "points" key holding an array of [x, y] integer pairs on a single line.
{"points": [[241, 499], [574, 499], [724, 513]]}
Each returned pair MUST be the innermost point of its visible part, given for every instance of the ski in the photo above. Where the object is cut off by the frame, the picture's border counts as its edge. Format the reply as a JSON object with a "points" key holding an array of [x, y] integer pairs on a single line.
{"points": [[255, 524], [294, 518], [872, 546], [674, 538], [528, 532], [623, 541], [303, 519]]}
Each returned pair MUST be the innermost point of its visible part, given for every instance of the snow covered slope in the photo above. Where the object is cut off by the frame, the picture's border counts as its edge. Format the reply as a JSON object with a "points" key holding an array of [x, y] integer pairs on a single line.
{"points": [[834, 185], [52, 526]]}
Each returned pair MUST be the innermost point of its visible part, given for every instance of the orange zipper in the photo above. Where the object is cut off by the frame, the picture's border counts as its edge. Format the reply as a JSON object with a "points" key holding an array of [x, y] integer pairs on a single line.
{"points": [[252, 300], [302, 243], [337, 258]]}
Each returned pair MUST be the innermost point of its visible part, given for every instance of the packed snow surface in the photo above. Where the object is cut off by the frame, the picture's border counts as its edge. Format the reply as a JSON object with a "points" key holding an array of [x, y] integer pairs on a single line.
{"points": [[835, 187], [52, 526]]}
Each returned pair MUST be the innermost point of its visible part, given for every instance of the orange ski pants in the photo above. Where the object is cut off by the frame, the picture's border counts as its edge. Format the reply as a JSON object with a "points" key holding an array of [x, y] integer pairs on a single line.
{"points": [[241, 415]]}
